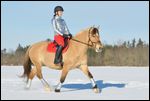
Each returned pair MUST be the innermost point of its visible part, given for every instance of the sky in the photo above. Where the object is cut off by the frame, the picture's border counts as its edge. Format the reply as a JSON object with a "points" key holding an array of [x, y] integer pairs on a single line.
{"points": [[28, 22]]}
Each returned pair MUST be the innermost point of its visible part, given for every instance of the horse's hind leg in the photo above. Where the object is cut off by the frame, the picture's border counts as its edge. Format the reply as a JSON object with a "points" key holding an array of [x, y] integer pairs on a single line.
{"points": [[36, 70], [86, 71], [31, 76], [40, 76]]}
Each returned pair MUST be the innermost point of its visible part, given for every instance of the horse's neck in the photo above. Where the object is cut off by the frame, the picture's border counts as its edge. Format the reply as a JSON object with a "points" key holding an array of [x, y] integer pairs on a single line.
{"points": [[83, 38]]}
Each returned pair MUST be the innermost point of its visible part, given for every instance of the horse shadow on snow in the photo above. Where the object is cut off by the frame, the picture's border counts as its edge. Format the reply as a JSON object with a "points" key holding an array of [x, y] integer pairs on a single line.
{"points": [[101, 85]]}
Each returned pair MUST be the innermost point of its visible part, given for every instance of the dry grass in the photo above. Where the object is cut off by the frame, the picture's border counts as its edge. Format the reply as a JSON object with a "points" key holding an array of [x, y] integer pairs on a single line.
{"points": [[120, 56]]}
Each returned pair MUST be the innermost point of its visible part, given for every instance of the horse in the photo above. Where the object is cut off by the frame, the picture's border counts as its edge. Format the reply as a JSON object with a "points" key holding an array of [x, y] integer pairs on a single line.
{"points": [[37, 55]]}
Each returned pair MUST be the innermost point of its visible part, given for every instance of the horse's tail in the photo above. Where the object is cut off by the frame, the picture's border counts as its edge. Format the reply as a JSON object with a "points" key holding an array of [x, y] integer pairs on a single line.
{"points": [[27, 64]]}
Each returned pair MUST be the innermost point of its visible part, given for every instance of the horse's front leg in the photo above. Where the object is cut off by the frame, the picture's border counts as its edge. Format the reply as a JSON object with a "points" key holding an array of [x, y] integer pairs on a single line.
{"points": [[85, 70], [62, 79]]}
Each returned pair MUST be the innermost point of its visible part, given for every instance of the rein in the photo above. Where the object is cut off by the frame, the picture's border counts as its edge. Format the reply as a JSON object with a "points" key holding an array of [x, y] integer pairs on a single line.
{"points": [[82, 42]]}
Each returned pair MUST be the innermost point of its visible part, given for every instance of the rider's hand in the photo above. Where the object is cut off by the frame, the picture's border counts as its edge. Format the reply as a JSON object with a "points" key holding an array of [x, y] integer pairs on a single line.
{"points": [[65, 35], [70, 36]]}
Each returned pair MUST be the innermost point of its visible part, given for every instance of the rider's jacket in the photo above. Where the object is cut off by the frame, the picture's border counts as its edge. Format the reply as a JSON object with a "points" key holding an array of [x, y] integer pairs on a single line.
{"points": [[59, 25]]}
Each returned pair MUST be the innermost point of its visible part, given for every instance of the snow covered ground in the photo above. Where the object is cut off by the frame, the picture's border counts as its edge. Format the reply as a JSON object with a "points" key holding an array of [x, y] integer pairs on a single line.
{"points": [[115, 82]]}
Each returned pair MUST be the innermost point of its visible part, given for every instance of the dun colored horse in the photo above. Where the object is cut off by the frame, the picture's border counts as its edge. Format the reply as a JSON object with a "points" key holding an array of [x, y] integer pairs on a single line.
{"points": [[75, 57]]}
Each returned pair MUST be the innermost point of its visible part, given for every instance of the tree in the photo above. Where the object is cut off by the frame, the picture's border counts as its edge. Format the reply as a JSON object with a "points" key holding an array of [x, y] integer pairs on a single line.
{"points": [[48, 39], [3, 51], [140, 43], [25, 48], [128, 44], [133, 43], [19, 49], [124, 44]]}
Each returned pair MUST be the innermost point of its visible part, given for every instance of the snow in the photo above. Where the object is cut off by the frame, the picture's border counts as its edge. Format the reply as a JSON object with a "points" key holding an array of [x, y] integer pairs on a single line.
{"points": [[116, 83]]}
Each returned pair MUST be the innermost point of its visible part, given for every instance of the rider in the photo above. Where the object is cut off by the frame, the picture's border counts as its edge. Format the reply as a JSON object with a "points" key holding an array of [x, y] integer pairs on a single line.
{"points": [[61, 33]]}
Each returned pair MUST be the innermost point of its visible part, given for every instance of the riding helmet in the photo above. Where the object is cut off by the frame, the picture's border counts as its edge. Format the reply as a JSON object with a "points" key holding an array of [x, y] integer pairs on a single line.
{"points": [[58, 8]]}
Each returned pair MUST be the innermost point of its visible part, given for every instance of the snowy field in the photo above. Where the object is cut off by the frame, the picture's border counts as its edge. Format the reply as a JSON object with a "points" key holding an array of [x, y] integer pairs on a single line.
{"points": [[115, 82]]}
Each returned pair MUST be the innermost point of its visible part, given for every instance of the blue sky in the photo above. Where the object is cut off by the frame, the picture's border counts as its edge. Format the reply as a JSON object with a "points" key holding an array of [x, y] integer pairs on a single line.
{"points": [[28, 22]]}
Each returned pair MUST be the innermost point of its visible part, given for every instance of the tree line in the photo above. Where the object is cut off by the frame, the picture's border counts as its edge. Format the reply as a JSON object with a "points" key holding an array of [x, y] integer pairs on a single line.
{"points": [[126, 53]]}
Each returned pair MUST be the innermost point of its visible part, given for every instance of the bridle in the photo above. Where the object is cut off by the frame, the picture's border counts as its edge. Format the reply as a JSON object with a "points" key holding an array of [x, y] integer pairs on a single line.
{"points": [[93, 44]]}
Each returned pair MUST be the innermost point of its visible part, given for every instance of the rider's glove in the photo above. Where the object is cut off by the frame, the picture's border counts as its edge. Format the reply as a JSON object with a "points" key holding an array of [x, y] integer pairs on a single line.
{"points": [[65, 35], [70, 35]]}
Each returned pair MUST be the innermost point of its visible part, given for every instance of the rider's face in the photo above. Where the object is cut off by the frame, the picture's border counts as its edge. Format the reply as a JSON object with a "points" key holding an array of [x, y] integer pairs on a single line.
{"points": [[60, 13]]}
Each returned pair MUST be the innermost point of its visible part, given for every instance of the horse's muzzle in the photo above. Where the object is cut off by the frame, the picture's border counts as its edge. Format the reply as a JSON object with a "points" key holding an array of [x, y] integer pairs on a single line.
{"points": [[98, 50]]}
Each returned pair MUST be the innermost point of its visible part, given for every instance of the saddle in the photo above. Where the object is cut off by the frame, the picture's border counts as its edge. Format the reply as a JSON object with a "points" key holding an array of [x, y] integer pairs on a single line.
{"points": [[52, 46]]}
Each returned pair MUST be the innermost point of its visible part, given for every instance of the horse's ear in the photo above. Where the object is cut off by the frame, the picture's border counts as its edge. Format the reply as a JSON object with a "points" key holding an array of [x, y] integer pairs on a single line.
{"points": [[94, 31]]}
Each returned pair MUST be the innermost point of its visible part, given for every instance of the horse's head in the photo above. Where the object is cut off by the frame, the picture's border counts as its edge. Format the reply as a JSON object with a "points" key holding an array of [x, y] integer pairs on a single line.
{"points": [[94, 39]]}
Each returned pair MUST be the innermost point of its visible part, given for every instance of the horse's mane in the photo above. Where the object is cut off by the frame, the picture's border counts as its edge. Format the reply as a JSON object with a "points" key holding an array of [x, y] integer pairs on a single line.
{"points": [[83, 30]]}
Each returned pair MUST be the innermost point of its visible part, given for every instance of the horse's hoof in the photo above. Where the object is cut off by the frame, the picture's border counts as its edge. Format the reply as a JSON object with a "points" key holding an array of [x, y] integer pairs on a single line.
{"points": [[57, 90], [47, 89], [96, 90]]}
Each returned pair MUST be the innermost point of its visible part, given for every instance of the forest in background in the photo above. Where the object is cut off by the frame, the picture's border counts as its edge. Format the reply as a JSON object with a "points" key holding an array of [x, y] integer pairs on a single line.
{"points": [[124, 53]]}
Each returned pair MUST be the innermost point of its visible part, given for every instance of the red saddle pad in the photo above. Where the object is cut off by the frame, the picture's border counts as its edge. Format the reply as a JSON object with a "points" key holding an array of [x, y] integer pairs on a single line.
{"points": [[52, 47]]}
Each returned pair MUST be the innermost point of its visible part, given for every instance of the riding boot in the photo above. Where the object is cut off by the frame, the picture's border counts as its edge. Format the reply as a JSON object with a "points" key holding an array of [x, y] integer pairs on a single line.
{"points": [[58, 55]]}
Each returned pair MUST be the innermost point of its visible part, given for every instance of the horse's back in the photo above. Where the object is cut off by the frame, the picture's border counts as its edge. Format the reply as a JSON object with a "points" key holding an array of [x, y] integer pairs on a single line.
{"points": [[38, 48], [39, 54]]}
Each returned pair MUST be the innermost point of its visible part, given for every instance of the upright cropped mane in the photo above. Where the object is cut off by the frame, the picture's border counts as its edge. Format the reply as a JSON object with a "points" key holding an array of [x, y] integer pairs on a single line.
{"points": [[83, 30]]}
